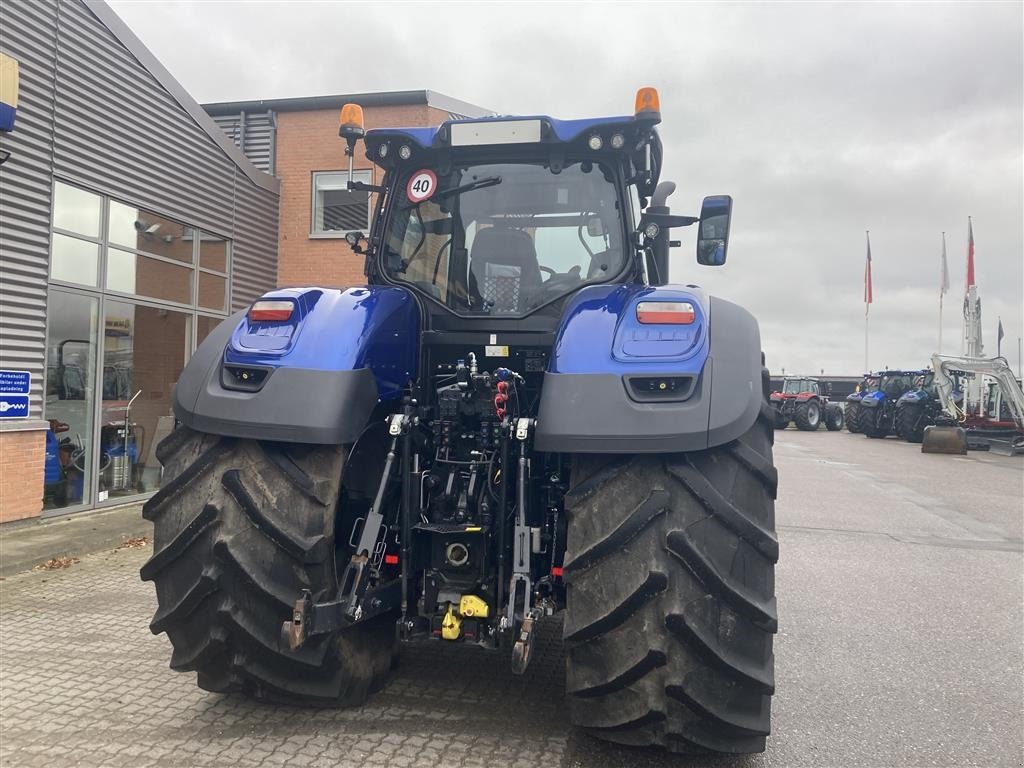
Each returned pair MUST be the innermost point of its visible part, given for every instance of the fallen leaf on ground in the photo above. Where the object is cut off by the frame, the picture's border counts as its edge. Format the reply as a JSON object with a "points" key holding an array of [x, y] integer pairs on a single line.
{"points": [[56, 563], [136, 542]]}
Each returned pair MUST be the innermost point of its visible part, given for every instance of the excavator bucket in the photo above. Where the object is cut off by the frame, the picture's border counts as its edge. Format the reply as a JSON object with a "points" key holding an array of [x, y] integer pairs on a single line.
{"points": [[944, 440]]}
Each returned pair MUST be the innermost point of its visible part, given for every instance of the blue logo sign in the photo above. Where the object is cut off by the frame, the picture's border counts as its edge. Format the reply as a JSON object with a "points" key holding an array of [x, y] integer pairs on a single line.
{"points": [[13, 406], [15, 382]]}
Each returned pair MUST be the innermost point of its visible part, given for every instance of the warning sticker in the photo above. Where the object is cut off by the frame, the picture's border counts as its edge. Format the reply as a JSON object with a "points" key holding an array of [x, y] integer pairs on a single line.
{"points": [[421, 186]]}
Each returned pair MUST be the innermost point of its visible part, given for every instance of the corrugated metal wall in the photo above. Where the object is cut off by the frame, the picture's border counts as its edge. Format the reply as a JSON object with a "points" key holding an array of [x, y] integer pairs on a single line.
{"points": [[91, 113], [25, 189], [254, 134]]}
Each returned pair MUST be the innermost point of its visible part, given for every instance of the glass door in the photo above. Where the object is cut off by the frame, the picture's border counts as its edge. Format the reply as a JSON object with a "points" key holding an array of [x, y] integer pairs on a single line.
{"points": [[70, 400], [144, 351]]}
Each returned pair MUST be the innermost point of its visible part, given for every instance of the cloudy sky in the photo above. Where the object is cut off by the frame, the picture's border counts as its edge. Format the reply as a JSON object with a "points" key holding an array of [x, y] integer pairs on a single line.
{"points": [[821, 120]]}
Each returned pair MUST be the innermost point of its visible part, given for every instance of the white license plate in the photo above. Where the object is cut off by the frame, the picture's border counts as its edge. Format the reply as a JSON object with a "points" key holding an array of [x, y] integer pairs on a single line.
{"points": [[495, 132]]}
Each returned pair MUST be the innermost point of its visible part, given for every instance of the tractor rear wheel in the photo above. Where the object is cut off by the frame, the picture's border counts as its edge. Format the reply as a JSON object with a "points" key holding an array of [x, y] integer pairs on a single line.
{"points": [[671, 596], [909, 422], [873, 423], [781, 421], [808, 415], [833, 418], [853, 414], [240, 527]]}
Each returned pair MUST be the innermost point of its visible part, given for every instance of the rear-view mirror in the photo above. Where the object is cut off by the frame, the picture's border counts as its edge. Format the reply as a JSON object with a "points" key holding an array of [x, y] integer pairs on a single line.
{"points": [[713, 230]]}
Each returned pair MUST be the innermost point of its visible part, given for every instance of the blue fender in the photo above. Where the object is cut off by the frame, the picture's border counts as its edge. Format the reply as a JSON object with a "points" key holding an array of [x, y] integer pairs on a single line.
{"points": [[314, 378], [873, 399], [912, 397], [616, 385]]}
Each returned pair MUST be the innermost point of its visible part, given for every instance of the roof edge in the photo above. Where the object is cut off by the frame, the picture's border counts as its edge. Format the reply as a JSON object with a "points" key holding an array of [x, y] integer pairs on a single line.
{"points": [[457, 106], [137, 48], [329, 101], [338, 100]]}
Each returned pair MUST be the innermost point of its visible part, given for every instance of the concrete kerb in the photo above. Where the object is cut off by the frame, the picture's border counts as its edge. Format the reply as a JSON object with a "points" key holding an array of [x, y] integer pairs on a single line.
{"points": [[25, 545]]}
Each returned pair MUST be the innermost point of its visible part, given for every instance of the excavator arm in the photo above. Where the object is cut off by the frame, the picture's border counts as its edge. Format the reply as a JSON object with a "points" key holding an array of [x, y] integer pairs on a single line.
{"points": [[947, 367]]}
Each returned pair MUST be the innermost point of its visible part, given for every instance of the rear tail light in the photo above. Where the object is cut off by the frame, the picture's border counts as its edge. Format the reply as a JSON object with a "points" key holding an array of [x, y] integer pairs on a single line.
{"points": [[665, 312], [271, 311]]}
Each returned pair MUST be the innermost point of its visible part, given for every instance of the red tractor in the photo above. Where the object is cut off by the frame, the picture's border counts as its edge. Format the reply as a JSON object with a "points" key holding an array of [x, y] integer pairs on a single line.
{"points": [[805, 402]]}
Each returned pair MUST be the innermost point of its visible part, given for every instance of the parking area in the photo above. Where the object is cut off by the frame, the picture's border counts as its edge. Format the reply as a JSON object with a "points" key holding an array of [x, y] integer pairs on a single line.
{"points": [[900, 643]]}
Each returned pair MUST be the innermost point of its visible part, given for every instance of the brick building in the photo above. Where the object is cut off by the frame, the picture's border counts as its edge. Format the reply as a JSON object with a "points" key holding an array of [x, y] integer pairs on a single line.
{"points": [[131, 224], [297, 141]]}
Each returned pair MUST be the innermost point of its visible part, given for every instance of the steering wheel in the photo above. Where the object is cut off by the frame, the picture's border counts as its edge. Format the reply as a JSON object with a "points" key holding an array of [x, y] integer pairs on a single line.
{"points": [[562, 281]]}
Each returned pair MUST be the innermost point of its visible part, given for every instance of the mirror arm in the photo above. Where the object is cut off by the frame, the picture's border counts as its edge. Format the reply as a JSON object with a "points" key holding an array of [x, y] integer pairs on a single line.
{"points": [[361, 186]]}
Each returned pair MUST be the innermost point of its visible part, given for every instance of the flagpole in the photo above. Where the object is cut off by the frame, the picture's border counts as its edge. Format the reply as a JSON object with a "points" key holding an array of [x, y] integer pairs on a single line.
{"points": [[942, 288], [868, 297], [866, 369]]}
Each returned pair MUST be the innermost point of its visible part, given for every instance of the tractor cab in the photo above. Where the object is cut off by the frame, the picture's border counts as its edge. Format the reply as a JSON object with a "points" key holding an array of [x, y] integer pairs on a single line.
{"points": [[797, 387], [497, 221]]}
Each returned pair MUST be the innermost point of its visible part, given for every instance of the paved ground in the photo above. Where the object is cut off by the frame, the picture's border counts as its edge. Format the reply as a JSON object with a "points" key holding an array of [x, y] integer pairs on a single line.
{"points": [[900, 644]]}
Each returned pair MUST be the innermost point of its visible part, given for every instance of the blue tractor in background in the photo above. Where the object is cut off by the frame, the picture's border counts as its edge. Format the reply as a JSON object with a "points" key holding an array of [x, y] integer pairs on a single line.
{"points": [[876, 414], [518, 415], [918, 407], [852, 410]]}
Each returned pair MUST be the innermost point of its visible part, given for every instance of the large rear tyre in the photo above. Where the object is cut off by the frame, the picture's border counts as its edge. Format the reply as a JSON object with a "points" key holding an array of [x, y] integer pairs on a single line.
{"points": [[833, 418], [781, 421], [853, 414], [874, 424], [910, 422], [671, 596], [240, 527], [807, 416]]}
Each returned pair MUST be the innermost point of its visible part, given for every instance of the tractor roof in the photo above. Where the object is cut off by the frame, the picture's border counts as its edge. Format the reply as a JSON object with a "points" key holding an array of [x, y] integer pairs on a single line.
{"points": [[439, 135], [516, 132]]}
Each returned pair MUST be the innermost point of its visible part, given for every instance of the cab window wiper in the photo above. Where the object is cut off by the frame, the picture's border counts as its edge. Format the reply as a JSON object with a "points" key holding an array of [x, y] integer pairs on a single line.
{"points": [[488, 181]]}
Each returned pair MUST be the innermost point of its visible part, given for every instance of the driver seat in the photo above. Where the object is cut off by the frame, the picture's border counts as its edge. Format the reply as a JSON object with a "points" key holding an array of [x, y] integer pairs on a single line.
{"points": [[503, 269]]}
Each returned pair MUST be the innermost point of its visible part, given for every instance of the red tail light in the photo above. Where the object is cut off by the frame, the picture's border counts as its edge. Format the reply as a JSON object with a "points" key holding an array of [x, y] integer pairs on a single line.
{"points": [[390, 559], [271, 311], [665, 312]]}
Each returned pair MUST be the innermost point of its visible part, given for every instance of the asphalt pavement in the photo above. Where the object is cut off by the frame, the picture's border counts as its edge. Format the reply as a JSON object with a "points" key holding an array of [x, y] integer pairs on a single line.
{"points": [[900, 644]]}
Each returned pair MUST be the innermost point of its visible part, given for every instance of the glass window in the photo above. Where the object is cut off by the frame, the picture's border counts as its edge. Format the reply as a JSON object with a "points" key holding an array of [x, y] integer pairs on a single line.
{"points": [[132, 273], [74, 260], [213, 252], [71, 336], [145, 348], [507, 238], [212, 291], [142, 230], [205, 326], [335, 208], [76, 210], [144, 352]]}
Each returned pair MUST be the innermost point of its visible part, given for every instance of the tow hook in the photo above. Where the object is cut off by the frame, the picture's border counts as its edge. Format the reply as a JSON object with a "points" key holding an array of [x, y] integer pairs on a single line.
{"points": [[295, 630], [522, 651]]}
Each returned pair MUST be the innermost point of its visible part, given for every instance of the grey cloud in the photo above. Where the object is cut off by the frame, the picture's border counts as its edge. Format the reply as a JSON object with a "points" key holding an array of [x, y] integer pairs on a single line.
{"points": [[822, 120]]}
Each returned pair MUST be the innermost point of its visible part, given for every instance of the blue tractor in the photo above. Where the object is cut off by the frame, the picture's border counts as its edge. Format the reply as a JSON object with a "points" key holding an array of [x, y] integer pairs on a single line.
{"points": [[918, 407], [852, 411], [517, 416], [876, 415]]}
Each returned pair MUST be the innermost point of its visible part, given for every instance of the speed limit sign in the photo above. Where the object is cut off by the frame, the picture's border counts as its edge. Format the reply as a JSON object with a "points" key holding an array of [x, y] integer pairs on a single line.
{"points": [[421, 186]]}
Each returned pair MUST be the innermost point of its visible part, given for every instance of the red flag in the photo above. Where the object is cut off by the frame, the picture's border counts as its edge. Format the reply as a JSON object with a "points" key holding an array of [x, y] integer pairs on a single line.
{"points": [[970, 253], [868, 295]]}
